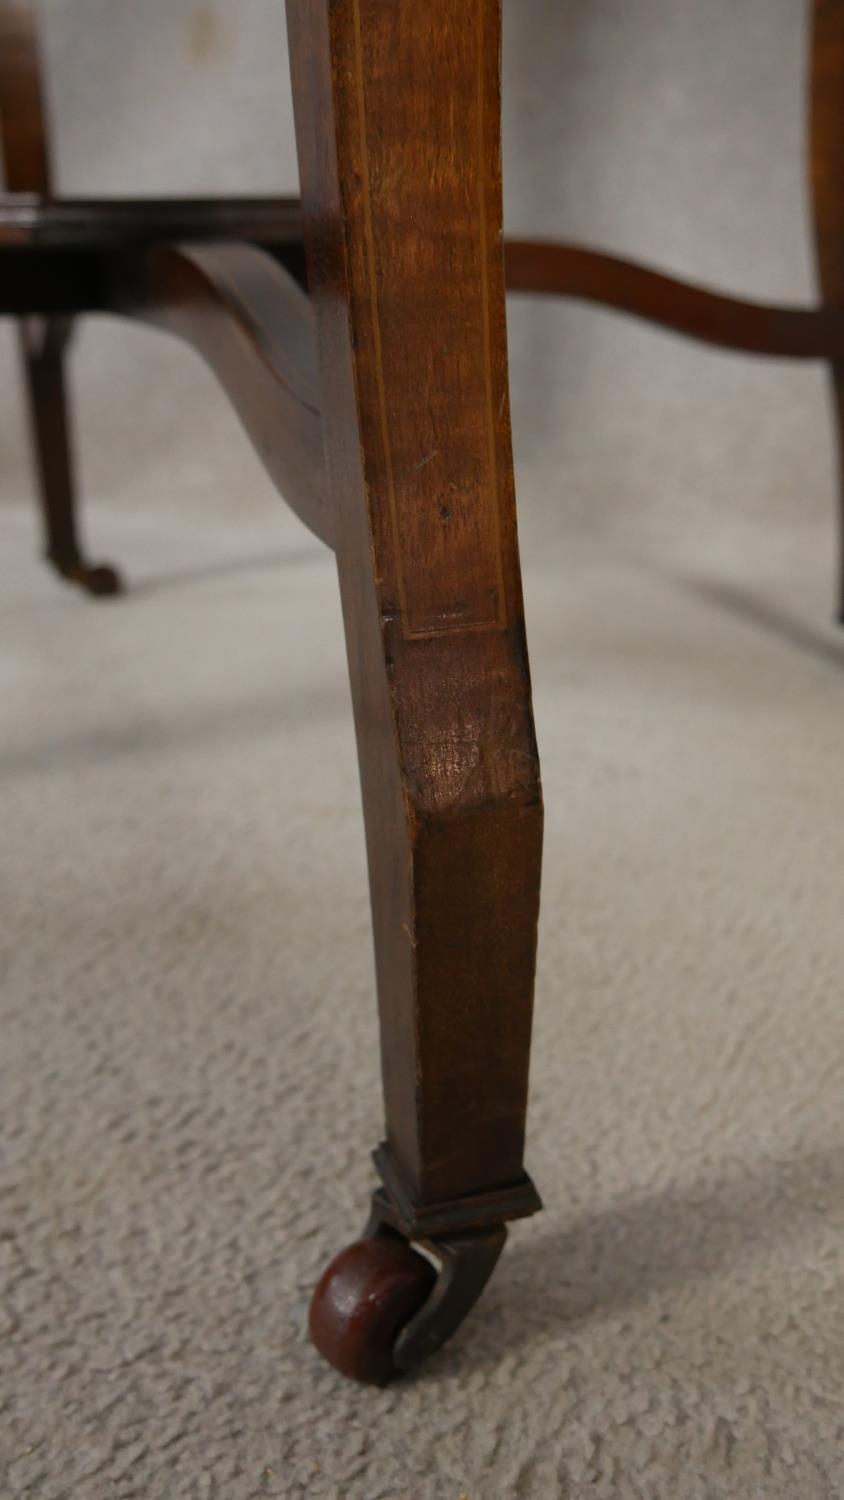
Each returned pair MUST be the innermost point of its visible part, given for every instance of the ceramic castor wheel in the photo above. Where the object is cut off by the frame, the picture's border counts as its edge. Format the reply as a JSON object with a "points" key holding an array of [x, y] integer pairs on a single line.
{"points": [[362, 1302]]}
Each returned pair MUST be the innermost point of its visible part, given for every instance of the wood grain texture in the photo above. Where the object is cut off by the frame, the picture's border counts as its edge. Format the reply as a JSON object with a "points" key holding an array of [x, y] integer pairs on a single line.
{"points": [[409, 291], [445, 541], [826, 135]]}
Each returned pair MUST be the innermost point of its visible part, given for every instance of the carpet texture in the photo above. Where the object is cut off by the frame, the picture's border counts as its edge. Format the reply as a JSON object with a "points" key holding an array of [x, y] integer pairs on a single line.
{"points": [[188, 1055]]}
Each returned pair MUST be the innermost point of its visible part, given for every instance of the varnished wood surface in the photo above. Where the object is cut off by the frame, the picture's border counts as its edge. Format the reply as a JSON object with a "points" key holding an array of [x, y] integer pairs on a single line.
{"points": [[711, 317], [109, 223], [363, 1300], [538, 267], [278, 323], [398, 120], [23, 115], [826, 136], [255, 327]]}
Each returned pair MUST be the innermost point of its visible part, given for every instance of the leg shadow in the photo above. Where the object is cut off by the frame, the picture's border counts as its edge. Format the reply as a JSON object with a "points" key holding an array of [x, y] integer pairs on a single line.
{"points": [[648, 1247]]}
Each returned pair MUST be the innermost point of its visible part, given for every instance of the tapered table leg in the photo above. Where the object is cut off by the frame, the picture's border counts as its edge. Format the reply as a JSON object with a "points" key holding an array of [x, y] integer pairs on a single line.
{"points": [[398, 129]]}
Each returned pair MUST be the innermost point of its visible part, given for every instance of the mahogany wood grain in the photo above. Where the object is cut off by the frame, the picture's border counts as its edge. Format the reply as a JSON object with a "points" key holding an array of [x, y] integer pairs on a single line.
{"points": [[826, 91], [398, 128]]}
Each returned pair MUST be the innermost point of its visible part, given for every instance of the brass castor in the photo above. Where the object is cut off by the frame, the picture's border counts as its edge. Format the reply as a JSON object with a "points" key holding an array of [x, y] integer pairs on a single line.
{"points": [[363, 1300], [98, 579]]}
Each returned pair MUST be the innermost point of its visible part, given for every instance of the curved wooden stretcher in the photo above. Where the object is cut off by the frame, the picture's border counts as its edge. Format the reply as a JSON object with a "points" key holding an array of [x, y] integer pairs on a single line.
{"points": [[360, 335]]}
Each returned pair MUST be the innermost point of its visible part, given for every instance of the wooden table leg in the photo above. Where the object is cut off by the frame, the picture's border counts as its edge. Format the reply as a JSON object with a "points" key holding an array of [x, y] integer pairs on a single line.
{"points": [[43, 347], [398, 131], [826, 99]]}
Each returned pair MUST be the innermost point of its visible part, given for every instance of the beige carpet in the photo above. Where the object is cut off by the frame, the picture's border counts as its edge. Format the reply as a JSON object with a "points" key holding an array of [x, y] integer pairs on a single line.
{"points": [[189, 1073]]}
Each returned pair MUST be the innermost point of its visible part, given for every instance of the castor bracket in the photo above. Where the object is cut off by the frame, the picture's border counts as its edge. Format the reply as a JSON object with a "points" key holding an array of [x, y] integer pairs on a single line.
{"points": [[442, 1220], [395, 1296], [465, 1262]]}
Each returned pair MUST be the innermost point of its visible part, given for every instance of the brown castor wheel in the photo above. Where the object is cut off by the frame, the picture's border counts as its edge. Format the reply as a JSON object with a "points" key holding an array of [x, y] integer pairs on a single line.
{"points": [[98, 579], [363, 1300], [381, 1309]]}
